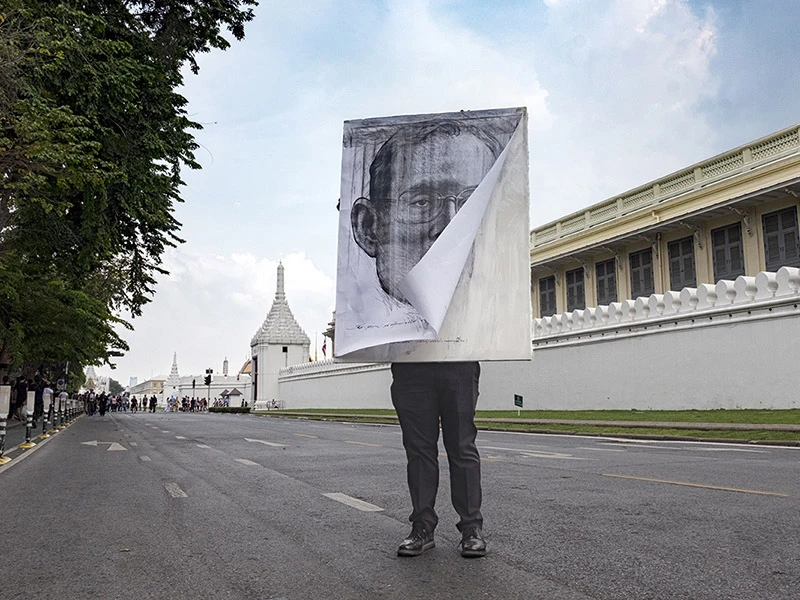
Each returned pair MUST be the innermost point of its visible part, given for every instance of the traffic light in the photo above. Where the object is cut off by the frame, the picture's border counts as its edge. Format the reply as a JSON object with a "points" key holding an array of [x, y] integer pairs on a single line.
{"points": [[207, 379]]}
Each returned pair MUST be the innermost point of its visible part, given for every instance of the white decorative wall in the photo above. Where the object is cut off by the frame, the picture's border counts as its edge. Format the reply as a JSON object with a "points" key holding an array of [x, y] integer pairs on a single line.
{"points": [[732, 345]]}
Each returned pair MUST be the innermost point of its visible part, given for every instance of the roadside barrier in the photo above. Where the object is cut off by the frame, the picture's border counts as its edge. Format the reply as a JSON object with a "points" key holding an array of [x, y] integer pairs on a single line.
{"points": [[62, 415], [46, 421], [31, 404], [5, 401]]}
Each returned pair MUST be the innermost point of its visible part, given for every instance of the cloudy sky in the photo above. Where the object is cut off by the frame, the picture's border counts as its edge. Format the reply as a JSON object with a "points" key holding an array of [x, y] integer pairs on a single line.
{"points": [[619, 92]]}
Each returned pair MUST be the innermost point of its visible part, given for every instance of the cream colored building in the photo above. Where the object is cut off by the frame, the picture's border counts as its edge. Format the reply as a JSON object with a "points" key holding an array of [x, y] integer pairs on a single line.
{"points": [[151, 387], [733, 214]]}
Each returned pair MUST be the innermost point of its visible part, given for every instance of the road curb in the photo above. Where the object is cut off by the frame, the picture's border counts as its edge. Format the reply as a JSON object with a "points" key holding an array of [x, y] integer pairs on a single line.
{"points": [[392, 420]]}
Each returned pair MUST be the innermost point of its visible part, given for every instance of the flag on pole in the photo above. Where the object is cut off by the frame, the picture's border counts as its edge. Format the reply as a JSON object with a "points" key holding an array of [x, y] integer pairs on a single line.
{"points": [[324, 347]]}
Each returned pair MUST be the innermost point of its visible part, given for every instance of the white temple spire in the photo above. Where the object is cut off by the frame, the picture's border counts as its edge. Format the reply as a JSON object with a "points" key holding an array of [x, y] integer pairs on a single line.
{"points": [[280, 327], [280, 293]]}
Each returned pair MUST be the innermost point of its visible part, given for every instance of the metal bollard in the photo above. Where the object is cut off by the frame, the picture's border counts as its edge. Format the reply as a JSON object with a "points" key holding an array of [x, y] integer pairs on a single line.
{"points": [[5, 401], [29, 420]]}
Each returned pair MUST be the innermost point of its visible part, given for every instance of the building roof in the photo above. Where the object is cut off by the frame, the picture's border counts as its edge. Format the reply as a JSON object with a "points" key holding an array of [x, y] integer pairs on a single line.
{"points": [[280, 326], [732, 181]]}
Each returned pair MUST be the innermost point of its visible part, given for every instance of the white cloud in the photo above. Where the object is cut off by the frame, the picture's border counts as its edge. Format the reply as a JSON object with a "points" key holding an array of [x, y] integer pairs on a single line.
{"points": [[623, 95]]}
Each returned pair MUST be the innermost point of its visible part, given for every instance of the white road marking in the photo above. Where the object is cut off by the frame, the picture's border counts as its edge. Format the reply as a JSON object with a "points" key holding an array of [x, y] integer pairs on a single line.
{"points": [[179, 437], [353, 502], [306, 435], [244, 461], [534, 453], [145, 458], [111, 445], [252, 441], [361, 443], [174, 491], [202, 446], [555, 455], [134, 444], [730, 450], [605, 449]]}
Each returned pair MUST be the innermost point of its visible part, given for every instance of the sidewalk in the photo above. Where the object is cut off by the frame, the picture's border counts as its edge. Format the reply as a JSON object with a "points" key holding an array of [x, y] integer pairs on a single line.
{"points": [[15, 435]]}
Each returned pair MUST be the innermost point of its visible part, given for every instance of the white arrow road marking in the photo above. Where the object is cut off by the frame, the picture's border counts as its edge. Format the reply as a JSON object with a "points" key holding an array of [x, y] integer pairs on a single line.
{"points": [[244, 461], [174, 491], [353, 502], [111, 445], [265, 443]]}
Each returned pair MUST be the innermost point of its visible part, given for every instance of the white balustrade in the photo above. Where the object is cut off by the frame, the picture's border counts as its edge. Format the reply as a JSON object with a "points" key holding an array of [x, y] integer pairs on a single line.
{"points": [[706, 296], [764, 290], [758, 155], [726, 292], [689, 298], [788, 280], [746, 289], [672, 302]]}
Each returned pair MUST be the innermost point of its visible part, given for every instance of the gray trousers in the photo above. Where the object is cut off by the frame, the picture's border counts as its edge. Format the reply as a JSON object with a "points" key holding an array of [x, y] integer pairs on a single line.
{"points": [[422, 394]]}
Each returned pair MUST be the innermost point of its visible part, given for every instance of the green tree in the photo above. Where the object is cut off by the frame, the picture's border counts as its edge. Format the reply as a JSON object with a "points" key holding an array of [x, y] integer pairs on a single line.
{"points": [[115, 387], [93, 137]]}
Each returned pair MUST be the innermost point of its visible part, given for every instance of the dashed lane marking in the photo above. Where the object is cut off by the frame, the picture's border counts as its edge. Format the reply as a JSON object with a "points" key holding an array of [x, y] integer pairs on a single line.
{"points": [[134, 444], [353, 502], [361, 443], [179, 437], [266, 443], [145, 458], [175, 491], [306, 435], [698, 485], [244, 461], [202, 446]]}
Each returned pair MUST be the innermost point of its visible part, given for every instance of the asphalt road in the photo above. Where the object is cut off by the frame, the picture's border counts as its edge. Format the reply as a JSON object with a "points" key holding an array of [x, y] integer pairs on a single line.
{"points": [[233, 506]]}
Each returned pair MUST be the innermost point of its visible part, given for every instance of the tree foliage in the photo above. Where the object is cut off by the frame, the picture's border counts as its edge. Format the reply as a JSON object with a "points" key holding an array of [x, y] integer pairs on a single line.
{"points": [[93, 136]]}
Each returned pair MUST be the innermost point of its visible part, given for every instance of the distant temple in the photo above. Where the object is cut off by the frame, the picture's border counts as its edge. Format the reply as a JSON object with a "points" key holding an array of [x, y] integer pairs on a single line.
{"points": [[278, 343]]}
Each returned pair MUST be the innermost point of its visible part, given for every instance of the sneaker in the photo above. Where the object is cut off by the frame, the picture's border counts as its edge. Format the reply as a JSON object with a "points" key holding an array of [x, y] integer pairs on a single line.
{"points": [[419, 540], [472, 543]]}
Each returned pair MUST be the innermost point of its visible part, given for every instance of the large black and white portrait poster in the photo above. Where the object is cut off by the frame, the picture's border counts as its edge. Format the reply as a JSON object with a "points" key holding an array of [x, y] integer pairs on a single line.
{"points": [[433, 258]]}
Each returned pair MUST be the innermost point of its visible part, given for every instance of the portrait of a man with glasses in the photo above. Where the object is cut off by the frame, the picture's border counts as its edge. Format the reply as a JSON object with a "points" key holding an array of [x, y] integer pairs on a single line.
{"points": [[419, 179]]}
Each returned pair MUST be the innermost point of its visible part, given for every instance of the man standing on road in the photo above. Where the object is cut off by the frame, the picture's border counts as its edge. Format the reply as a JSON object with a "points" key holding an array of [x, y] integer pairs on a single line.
{"points": [[419, 180]]}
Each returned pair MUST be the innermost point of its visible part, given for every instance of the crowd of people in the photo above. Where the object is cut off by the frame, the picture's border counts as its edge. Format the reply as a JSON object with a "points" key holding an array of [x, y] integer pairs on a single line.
{"points": [[186, 404], [93, 403], [102, 403]]}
